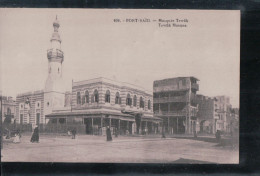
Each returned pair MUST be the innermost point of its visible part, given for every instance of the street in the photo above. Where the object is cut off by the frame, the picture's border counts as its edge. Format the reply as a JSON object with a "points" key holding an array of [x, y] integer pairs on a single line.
{"points": [[124, 149]]}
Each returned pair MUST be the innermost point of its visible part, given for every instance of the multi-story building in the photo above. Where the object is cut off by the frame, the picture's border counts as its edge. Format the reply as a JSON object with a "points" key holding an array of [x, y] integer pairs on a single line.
{"points": [[32, 107], [174, 102], [98, 103]]}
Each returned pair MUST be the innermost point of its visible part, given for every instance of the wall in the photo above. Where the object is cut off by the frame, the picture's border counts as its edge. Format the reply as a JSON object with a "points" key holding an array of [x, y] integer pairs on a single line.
{"points": [[34, 98], [102, 87]]}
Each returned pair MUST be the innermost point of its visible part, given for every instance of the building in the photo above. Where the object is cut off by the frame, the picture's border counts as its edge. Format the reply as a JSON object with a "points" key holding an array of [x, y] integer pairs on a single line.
{"points": [[214, 113], [174, 102], [90, 107], [207, 114], [7, 109], [32, 107], [223, 109], [101, 102]]}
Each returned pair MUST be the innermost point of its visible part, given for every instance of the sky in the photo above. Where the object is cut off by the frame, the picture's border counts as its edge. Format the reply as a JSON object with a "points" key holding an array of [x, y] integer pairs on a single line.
{"points": [[134, 52]]}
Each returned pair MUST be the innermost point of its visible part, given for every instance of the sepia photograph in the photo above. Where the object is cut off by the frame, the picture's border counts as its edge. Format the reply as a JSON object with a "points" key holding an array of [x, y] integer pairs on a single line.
{"points": [[120, 85]]}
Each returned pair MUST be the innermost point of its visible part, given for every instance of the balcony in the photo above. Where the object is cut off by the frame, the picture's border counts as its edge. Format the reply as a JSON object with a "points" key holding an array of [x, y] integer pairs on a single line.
{"points": [[170, 113], [170, 99], [195, 86], [55, 53]]}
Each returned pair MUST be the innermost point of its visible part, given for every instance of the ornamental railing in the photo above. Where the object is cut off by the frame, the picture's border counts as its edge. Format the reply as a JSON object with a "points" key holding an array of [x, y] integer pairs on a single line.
{"points": [[170, 99], [171, 113], [54, 53]]}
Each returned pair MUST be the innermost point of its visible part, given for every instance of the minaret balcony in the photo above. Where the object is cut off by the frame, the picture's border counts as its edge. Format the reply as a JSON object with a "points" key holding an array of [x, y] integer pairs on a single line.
{"points": [[55, 54]]}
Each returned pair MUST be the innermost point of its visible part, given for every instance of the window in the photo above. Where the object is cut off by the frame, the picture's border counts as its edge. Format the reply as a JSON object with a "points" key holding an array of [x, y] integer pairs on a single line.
{"points": [[48, 104], [141, 102], [96, 96], [83, 100], [78, 98], [86, 96], [21, 118], [128, 100], [118, 99], [149, 104], [135, 100], [107, 97], [184, 82]]}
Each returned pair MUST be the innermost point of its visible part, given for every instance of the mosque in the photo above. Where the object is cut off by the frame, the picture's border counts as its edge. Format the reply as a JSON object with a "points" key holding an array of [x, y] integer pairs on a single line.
{"points": [[91, 106]]}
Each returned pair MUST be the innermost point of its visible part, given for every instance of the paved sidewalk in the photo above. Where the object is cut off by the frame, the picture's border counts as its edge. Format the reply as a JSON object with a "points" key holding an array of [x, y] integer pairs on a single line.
{"points": [[124, 149]]}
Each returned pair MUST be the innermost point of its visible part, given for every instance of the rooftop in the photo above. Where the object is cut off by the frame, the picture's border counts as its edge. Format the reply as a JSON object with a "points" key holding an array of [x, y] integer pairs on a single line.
{"points": [[30, 93], [110, 81], [192, 77]]}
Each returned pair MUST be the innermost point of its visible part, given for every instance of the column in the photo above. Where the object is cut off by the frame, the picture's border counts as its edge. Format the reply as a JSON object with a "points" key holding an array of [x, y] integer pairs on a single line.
{"points": [[127, 125], [159, 104], [146, 127], [119, 126], [168, 124], [177, 125], [57, 125], [140, 129], [92, 126], [169, 118], [109, 122], [101, 124]]}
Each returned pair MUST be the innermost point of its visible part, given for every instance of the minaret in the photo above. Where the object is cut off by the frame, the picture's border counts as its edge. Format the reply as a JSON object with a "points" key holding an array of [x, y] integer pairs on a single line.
{"points": [[55, 54], [54, 92]]}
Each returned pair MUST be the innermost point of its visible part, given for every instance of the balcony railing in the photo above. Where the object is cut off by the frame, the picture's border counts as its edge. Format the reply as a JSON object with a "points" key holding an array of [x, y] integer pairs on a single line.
{"points": [[54, 53], [170, 99], [171, 113]]}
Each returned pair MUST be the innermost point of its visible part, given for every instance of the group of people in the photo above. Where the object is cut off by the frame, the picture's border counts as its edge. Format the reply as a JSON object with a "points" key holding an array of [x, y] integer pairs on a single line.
{"points": [[72, 133]]}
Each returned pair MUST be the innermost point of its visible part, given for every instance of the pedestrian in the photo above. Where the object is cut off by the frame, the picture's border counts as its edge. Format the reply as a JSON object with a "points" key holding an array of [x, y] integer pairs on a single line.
{"points": [[116, 132], [218, 136], [17, 138], [195, 134], [74, 133], [35, 135], [8, 133], [163, 133], [109, 136]]}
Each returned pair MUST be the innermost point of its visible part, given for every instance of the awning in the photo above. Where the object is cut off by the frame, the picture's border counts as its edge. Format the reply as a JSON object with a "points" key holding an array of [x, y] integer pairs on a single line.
{"points": [[92, 114], [151, 119]]}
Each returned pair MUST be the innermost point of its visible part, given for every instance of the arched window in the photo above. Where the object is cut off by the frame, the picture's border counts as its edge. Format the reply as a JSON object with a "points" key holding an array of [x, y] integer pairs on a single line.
{"points": [[118, 99], [128, 100], [96, 96], [141, 102], [107, 98], [86, 96], [83, 99], [149, 104], [135, 100], [78, 98]]}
